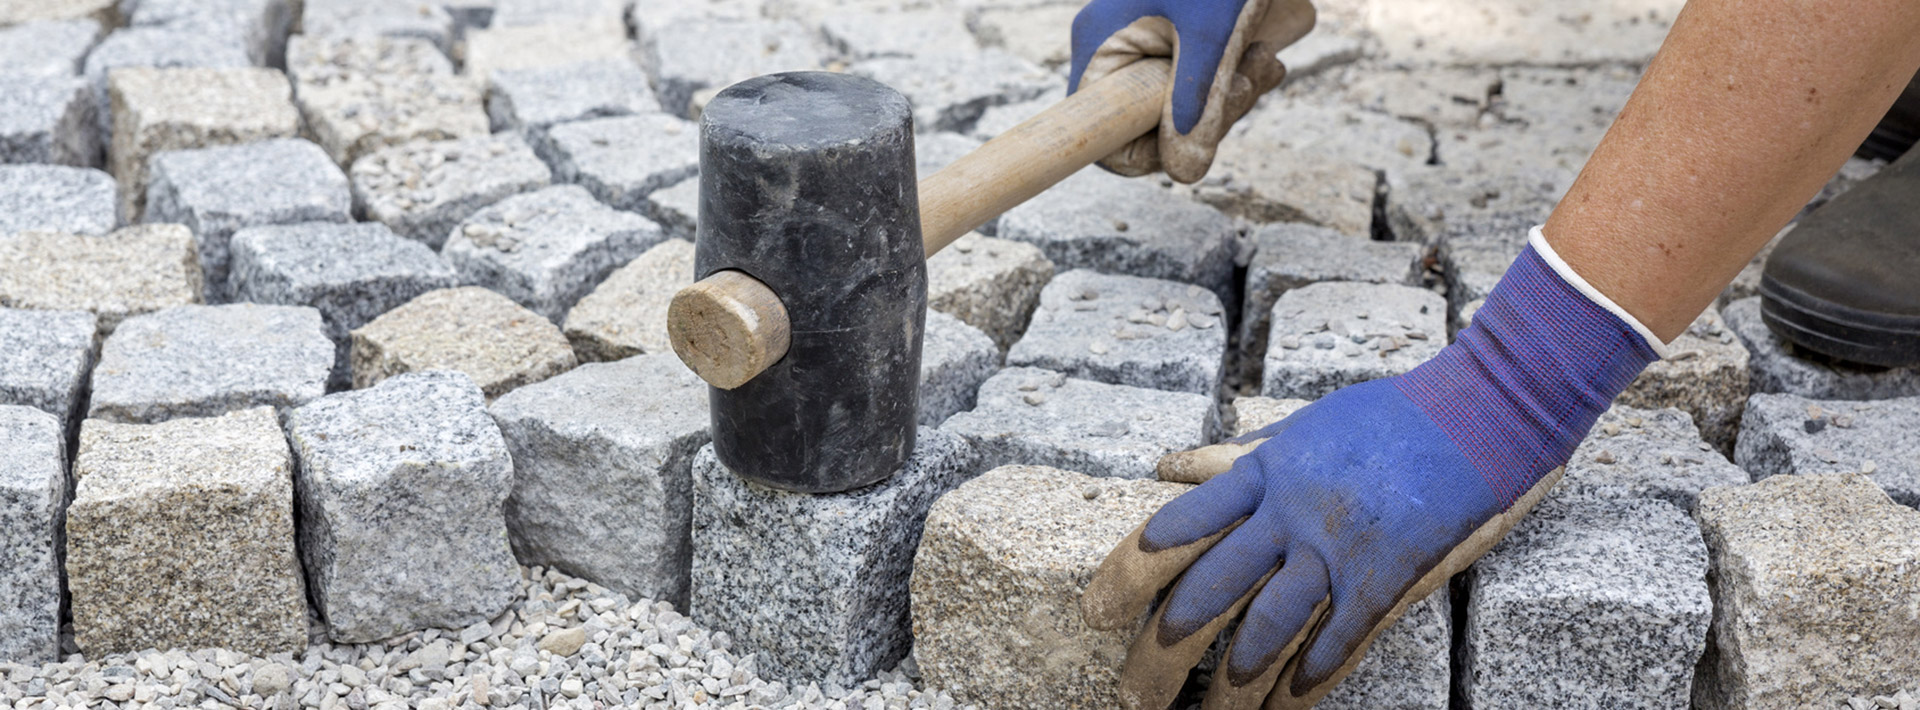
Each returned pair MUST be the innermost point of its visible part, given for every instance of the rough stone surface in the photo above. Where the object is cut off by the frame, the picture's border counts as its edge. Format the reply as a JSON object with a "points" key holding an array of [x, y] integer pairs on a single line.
{"points": [[135, 270], [47, 47], [260, 26], [44, 360], [1330, 335], [21, 11], [990, 284], [608, 498], [1588, 602], [429, 22], [1254, 413], [1706, 374], [1780, 368], [33, 502], [997, 582], [1547, 121], [1289, 255], [352, 273], [360, 94], [1029, 32], [514, 13], [676, 209], [157, 110], [700, 54], [955, 358], [202, 361], [1258, 149], [860, 33], [47, 119], [57, 198], [425, 189], [622, 160], [1787, 434], [1108, 223], [533, 100], [559, 43], [626, 315], [181, 535], [155, 47], [1127, 330], [950, 90], [1646, 453], [1459, 211], [217, 191], [1285, 185], [1813, 591], [935, 151], [816, 583], [548, 248], [401, 487], [472, 330], [1521, 32], [1031, 416]]}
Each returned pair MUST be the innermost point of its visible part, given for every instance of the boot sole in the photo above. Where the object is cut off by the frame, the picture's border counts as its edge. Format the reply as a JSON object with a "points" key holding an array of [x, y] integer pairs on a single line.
{"points": [[1839, 331]]}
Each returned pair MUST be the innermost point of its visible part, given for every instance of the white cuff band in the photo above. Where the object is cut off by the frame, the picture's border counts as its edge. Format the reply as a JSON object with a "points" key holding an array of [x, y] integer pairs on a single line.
{"points": [[1538, 239]]}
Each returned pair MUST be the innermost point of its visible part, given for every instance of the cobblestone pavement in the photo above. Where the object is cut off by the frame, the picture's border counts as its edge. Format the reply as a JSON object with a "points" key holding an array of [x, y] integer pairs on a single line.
{"points": [[333, 375]]}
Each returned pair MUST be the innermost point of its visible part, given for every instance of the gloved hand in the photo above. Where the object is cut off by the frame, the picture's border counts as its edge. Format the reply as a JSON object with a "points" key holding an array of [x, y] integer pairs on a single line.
{"points": [[1365, 501], [1223, 61]]}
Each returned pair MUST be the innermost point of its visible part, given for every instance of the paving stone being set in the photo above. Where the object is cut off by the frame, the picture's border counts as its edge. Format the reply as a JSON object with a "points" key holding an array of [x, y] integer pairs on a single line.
{"points": [[33, 503], [468, 329], [135, 270], [156, 110], [47, 119], [1647, 453], [1784, 434], [217, 191], [401, 488], [57, 198], [424, 189], [1326, 336], [203, 361], [1043, 417], [45, 357], [1127, 330], [1291, 255], [548, 248], [626, 315]]}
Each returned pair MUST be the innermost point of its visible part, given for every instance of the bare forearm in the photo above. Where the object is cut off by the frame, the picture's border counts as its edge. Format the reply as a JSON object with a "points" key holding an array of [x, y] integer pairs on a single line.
{"points": [[1750, 106]]}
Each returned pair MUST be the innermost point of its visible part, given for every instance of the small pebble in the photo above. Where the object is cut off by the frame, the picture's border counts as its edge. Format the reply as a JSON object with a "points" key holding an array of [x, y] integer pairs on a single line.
{"points": [[1604, 456], [1090, 493]]}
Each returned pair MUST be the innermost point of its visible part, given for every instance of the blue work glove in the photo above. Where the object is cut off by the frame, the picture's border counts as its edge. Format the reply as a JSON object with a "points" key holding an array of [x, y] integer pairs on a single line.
{"points": [[1339, 517], [1224, 59]]}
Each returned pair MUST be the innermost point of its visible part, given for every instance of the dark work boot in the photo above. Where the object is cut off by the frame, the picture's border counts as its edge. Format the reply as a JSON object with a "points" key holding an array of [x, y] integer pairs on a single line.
{"points": [[1846, 282]]}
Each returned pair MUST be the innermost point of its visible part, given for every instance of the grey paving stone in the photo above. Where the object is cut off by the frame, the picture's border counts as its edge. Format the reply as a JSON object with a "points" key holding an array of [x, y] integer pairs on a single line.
{"points": [[515, 13], [44, 360], [363, 93], [532, 100], [1320, 125], [1447, 98], [1548, 121], [181, 535], [1288, 256], [1589, 602], [401, 487], [352, 273], [31, 10], [997, 582], [1410, 31], [1286, 185], [697, 54], [424, 189], [626, 315], [1320, 51], [472, 330], [1251, 414], [47, 47], [1095, 220], [154, 47], [1811, 575], [817, 584], [1785, 434], [260, 26], [955, 359], [218, 191], [557, 43], [426, 21], [1646, 453], [1127, 330], [57, 198], [1031, 416], [1408, 666], [202, 361], [950, 89], [609, 499], [157, 110], [1780, 368], [1029, 31], [999, 119], [1330, 335], [546, 249], [990, 284], [136, 270], [47, 119], [860, 33], [622, 160], [1706, 374], [469, 15], [1453, 209], [33, 502], [934, 151], [676, 209], [648, 16]]}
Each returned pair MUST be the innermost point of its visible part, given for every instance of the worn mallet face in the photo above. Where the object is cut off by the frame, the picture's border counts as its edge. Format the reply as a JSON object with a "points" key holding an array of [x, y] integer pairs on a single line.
{"points": [[807, 184]]}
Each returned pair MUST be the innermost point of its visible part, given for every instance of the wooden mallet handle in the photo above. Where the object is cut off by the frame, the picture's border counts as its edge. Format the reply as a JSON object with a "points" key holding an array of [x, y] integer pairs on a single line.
{"points": [[730, 327]]}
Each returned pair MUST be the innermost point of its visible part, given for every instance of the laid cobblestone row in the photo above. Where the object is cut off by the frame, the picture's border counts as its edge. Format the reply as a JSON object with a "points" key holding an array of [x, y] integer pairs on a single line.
{"points": [[626, 315], [1107, 223], [1330, 335], [47, 119], [548, 248], [157, 110], [203, 361], [45, 357], [57, 198], [218, 191], [424, 189], [400, 493], [156, 47], [1647, 453], [1290, 255], [701, 55], [363, 93], [33, 503], [470, 330], [1127, 330], [1025, 415], [1784, 434], [950, 90], [125, 273], [531, 101]]}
